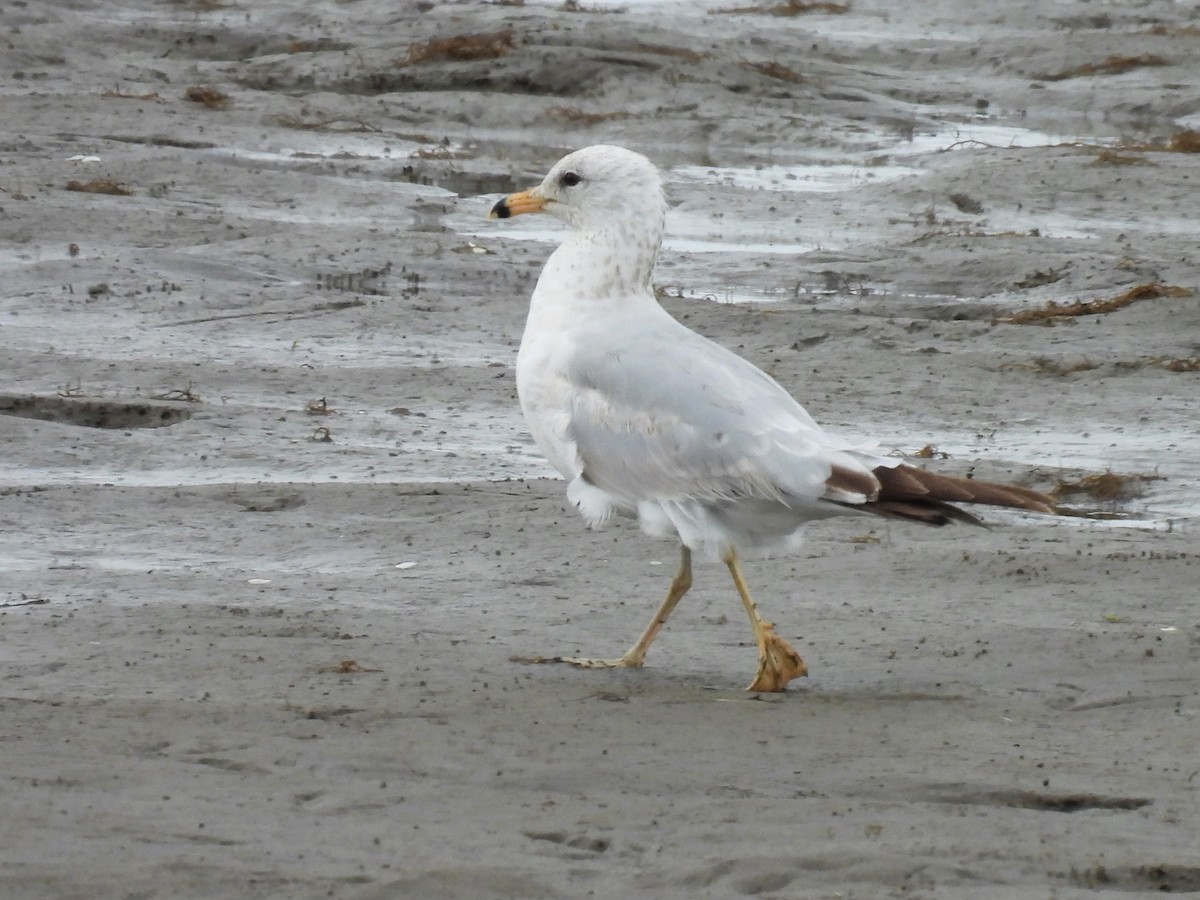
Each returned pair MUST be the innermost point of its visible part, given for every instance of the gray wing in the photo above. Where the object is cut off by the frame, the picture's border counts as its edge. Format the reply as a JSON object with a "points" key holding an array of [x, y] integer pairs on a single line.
{"points": [[662, 413]]}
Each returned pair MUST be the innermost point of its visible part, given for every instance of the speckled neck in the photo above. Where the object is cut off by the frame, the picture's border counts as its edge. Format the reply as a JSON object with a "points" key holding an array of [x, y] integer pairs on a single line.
{"points": [[610, 264]]}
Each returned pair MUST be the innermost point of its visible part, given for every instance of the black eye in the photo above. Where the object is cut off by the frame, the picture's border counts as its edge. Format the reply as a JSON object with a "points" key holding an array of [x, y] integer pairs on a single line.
{"points": [[570, 179]]}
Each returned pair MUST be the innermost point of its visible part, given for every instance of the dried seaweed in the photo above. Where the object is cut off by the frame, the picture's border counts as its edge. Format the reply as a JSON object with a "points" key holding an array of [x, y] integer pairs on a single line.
{"points": [[1053, 310], [346, 667], [100, 186], [1039, 278], [124, 95], [209, 96], [1162, 30], [1184, 142], [577, 7], [1176, 364], [666, 50], [1045, 366], [788, 8], [1107, 486], [965, 203], [186, 395], [774, 70], [1114, 65], [460, 48], [344, 125], [1113, 158], [580, 117]]}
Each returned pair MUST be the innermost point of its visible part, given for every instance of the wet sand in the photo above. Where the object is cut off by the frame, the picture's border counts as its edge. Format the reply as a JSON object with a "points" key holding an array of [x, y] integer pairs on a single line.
{"points": [[274, 528]]}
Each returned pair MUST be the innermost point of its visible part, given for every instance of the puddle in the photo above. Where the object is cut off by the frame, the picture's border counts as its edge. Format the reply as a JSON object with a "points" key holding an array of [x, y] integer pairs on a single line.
{"points": [[352, 148], [32, 254], [732, 245], [957, 137], [798, 178], [446, 444], [93, 413], [729, 294], [369, 203], [385, 351]]}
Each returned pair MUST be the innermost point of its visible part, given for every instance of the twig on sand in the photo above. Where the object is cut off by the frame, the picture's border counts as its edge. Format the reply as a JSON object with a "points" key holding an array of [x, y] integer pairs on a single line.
{"points": [[1113, 65], [25, 601]]}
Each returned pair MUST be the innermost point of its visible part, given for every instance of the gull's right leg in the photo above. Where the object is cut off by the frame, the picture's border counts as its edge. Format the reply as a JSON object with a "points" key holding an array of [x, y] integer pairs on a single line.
{"points": [[635, 655]]}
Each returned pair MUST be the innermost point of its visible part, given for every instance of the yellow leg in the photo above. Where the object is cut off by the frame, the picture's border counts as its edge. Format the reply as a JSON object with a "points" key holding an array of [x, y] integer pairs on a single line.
{"points": [[635, 655], [778, 663]]}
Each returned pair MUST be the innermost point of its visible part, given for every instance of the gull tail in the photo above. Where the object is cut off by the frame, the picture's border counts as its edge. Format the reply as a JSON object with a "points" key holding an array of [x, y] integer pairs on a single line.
{"points": [[906, 492]]}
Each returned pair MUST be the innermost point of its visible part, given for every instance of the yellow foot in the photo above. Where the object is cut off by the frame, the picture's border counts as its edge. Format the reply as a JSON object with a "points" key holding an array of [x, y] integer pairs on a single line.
{"points": [[778, 663], [622, 662]]}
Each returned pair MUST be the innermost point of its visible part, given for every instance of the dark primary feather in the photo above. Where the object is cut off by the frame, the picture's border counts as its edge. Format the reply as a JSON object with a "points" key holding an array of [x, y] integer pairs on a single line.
{"points": [[906, 492]]}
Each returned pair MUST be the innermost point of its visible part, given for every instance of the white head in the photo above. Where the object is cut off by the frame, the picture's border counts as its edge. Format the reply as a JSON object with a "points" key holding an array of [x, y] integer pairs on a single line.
{"points": [[594, 188]]}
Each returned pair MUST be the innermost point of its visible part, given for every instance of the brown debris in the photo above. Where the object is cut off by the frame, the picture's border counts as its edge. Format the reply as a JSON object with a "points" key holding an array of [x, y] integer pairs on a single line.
{"points": [[1114, 65], [869, 538], [347, 667], [186, 395], [1185, 142], [1044, 366], [350, 125], [1176, 364], [1162, 30], [100, 186], [1038, 278], [789, 8], [460, 48], [665, 50], [579, 117], [1053, 311], [576, 7], [929, 451], [1105, 486], [1113, 158], [209, 96], [315, 46], [123, 95], [965, 203], [774, 70]]}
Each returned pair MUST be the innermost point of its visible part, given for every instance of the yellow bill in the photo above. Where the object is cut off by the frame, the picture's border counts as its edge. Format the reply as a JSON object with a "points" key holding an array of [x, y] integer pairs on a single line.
{"points": [[518, 204]]}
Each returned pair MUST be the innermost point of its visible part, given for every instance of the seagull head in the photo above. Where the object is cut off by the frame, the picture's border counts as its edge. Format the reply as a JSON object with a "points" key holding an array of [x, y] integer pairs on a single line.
{"points": [[592, 188]]}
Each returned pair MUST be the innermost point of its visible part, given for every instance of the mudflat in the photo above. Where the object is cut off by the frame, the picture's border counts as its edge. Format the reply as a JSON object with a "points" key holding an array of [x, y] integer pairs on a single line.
{"points": [[273, 528]]}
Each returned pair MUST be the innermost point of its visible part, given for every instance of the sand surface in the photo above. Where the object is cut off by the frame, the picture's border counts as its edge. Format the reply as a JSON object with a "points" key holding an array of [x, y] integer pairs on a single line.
{"points": [[301, 292]]}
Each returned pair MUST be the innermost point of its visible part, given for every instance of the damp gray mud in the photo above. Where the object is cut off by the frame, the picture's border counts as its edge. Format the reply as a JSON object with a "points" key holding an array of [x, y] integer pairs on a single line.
{"points": [[273, 527]]}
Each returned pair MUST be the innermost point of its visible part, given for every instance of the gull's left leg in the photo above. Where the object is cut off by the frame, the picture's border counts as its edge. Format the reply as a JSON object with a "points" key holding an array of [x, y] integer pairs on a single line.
{"points": [[635, 655], [778, 663]]}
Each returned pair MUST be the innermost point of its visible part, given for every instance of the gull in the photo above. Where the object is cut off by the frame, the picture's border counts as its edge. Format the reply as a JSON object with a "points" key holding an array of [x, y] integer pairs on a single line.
{"points": [[647, 419]]}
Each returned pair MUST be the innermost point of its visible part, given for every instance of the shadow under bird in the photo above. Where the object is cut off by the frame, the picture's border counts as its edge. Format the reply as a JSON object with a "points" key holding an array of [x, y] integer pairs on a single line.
{"points": [[645, 418]]}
